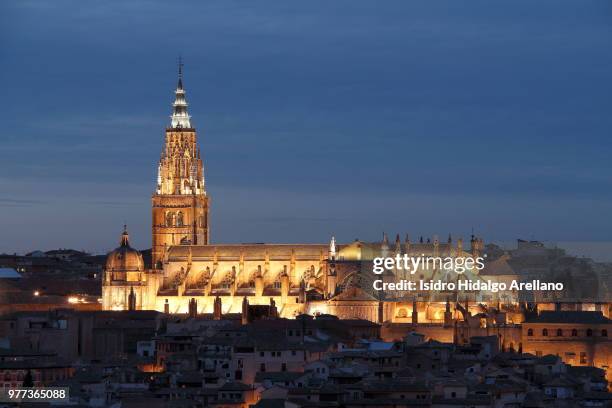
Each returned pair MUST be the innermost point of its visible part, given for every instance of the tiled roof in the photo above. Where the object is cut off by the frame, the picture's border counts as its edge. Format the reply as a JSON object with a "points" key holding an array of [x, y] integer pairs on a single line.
{"points": [[249, 251], [235, 386], [580, 317], [278, 376]]}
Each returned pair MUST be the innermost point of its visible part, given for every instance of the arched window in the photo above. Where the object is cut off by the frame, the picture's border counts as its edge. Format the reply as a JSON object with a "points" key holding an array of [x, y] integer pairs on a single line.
{"points": [[530, 332], [179, 219], [402, 313], [169, 218], [604, 333], [574, 333], [589, 332], [544, 332], [559, 333]]}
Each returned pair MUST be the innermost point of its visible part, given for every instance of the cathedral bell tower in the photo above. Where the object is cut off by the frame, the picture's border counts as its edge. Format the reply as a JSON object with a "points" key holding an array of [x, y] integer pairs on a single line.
{"points": [[180, 203]]}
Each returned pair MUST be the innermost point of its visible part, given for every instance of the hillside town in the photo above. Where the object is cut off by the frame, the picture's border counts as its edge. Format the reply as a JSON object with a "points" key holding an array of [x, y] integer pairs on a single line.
{"points": [[194, 323], [257, 360]]}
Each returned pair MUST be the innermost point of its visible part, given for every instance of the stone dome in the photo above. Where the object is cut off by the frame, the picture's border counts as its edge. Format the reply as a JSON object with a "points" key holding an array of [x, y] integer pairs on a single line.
{"points": [[124, 258]]}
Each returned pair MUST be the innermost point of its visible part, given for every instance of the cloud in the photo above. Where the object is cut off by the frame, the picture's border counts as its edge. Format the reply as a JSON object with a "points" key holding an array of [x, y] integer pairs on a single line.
{"points": [[12, 202]]}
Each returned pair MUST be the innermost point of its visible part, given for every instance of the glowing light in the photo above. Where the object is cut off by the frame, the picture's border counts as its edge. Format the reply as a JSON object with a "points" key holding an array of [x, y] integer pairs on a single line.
{"points": [[73, 299], [36, 293]]}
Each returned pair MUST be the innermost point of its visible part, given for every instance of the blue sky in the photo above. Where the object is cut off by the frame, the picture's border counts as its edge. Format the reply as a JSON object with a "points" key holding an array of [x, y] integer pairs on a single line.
{"points": [[314, 118]]}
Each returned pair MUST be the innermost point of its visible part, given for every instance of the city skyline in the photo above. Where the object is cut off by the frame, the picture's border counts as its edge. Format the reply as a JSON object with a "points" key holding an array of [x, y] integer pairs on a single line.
{"points": [[312, 204], [301, 141]]}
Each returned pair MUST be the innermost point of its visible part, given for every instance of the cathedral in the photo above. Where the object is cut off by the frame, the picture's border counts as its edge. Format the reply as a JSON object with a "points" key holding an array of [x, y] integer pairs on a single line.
{"points": [[191, 274]]}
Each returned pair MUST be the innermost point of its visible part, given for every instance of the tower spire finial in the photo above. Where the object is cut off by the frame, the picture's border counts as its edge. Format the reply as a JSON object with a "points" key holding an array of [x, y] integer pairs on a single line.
{"points": [[125, 237], [180, 73]]}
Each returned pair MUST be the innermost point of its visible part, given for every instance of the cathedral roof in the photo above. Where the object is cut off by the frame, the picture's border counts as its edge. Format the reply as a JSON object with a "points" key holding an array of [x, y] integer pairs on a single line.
{"points": [[359, 250], [249, 251], [499, 266], [124, 258], [355, 251]]}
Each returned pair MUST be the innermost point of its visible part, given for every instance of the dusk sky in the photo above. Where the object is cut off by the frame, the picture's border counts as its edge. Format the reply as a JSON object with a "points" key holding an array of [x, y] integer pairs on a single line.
{"points": [[315, 118]]}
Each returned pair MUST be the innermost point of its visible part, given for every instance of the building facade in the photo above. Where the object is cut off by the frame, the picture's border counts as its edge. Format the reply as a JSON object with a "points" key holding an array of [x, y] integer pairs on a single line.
{"points": [[189, 274], [180, 203]]}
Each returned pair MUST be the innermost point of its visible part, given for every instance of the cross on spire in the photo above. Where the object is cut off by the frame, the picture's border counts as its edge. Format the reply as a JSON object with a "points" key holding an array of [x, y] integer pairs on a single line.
{"points": [[125, 238]]}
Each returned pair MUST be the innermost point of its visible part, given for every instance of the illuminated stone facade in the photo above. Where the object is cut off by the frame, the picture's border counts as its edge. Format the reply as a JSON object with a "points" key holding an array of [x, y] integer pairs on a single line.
{"points": [[126, 283], [189, 273], [578, 337], [180, 203]]}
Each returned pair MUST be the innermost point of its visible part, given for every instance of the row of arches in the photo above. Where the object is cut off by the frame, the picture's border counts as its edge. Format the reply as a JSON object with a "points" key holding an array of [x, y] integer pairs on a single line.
{"points": [[175, 219], [574, 333], [178, 219]]}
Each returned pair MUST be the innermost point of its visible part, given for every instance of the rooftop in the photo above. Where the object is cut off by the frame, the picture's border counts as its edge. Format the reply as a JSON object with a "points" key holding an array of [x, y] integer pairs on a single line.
{"points": [[570, 317], [9, 273]]}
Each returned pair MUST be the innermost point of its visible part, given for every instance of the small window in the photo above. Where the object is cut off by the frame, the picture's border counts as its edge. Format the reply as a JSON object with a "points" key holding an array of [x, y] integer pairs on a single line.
{"points": [[589, 332], [530, 332], [574, 333], [604, 333], [544, 332], [559, 333]]}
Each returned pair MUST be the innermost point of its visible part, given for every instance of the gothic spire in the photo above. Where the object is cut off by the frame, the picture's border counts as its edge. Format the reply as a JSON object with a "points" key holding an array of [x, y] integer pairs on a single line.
{"points": [[180, 117]]}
